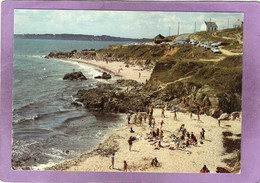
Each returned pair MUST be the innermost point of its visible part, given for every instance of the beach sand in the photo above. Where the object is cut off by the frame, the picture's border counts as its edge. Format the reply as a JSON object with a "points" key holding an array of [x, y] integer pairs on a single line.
{"points": [[118, 68], [188, 160]]}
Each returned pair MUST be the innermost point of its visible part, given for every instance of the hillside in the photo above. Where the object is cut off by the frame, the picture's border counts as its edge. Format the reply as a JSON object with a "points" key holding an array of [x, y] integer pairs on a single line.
{"points": [[183, 72]]}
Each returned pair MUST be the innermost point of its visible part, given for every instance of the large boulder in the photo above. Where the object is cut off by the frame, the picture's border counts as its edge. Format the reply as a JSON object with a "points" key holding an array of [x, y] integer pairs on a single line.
{"points": [[74, 76], [104, 76]]}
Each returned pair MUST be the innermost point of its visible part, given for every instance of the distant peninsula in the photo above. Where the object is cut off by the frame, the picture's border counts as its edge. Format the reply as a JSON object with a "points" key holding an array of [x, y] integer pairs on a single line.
{"points": [[77, 37]]}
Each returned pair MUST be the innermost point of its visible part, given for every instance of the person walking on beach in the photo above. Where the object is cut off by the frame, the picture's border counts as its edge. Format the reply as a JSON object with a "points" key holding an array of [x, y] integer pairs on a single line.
{"points": [[135, 118], [151, 111], [128, 118], [150, 121], [145, 118], [202, 133], [153, 123], [112, 161], [174, 113], [162, 124], [139, 74], [198, 112], [163, 116], [125, 166], [130, 142], [141, 119]]}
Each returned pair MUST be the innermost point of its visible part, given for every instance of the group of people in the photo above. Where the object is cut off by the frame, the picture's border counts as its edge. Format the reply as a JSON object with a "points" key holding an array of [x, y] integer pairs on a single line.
{"points": [[184, 139], [113, 163]]}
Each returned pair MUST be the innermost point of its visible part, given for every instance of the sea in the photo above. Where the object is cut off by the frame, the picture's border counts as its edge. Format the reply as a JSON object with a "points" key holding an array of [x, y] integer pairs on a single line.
{"points": [[47, 128]]}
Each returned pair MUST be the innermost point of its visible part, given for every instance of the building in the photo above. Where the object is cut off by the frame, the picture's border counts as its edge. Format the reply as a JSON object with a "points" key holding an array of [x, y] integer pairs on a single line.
{"points": [[159, 38], [209, 26], [238, 23]]}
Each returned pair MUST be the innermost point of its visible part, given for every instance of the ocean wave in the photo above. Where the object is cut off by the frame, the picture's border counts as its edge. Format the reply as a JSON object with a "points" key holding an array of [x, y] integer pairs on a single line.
{"points": [[23, 107], [75, 101], [28, 119], [43, 77]]}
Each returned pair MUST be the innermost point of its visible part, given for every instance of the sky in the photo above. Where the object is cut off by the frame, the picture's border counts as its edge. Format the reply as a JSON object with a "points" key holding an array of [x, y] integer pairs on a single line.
{"points": [[130, 24]]}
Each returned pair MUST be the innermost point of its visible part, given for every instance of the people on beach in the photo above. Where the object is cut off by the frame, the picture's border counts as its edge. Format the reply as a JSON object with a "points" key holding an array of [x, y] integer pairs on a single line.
{"points": [[191, 115], [157, 132], [125, 166], [112, 161], [161, 134], [139, 74], [145, 117], [130, 142], [155, 162]]}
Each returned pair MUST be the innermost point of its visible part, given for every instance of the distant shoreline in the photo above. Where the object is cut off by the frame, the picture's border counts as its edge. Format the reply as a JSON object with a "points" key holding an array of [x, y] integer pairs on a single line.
{"points": [[78, 37]]}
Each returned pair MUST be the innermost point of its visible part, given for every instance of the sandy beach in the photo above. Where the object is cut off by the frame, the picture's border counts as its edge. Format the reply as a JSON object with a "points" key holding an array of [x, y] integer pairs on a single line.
{"points": [[189, 159], [134, 72]]}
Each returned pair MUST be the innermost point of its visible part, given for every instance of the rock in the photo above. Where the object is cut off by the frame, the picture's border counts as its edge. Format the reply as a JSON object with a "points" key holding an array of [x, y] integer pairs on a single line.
{"points": [[74, 76], [104, 76]]}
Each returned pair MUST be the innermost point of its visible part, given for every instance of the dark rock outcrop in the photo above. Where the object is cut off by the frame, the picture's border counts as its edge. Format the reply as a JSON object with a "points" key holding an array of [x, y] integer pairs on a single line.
{"points": [[104, 76], [74, 76]]}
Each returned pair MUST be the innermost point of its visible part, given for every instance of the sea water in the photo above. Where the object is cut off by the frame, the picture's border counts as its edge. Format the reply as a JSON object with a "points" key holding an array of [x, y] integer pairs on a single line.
{"points": [[47, 128]]}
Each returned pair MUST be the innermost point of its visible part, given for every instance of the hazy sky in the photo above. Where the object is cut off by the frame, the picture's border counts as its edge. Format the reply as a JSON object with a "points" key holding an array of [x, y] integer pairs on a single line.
{"points": [[130, 24]]}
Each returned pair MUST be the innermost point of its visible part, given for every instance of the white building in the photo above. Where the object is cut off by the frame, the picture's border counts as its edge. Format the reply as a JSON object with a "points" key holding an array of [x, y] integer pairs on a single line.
{"points": [[209, 26]]}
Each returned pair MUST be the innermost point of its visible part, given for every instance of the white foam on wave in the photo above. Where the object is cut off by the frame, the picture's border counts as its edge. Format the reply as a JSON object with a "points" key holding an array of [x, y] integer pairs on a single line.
{"points": [[32, 118]]}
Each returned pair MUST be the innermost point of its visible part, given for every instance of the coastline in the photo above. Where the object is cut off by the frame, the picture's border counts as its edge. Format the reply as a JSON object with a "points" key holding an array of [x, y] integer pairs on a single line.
{"points": [[118, 68], [189, 160]]}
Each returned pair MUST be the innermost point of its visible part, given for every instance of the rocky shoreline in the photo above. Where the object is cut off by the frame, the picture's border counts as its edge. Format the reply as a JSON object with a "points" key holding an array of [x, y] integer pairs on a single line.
{"points": [[191, 89]]}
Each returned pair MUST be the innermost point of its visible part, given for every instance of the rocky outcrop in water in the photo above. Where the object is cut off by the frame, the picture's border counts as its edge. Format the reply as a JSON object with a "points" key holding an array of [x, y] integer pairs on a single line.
{"points": [[122, 96], [104, 76], [74, 76]]}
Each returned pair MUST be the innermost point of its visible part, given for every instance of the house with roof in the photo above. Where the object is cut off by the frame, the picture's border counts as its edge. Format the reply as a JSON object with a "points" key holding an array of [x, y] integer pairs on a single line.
{"points": [[159, 38], [209, 26], [238, 23]]}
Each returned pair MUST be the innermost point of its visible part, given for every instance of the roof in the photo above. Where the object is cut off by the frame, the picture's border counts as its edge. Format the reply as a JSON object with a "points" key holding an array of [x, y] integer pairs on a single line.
{"points": [[159, 36], [211, 24]]}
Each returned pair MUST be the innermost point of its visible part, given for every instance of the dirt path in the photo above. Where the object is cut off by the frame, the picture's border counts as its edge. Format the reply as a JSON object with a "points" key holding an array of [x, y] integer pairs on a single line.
{"points": [[228, 53]]}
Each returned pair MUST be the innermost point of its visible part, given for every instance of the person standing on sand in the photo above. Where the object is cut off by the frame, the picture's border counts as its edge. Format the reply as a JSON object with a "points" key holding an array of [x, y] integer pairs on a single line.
{"points": [[153, 123], [139, 74], [218, 122], [145, 118], [130, 142], [198, 112], [125, 166], [112, 160], [128, 118], [163, 116], [202, 134], [135, 118], [150, 121], [162, 124]]}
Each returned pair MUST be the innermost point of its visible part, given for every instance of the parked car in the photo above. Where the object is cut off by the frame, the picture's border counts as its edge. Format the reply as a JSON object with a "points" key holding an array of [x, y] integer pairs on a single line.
{"points": [[215, 50]]}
